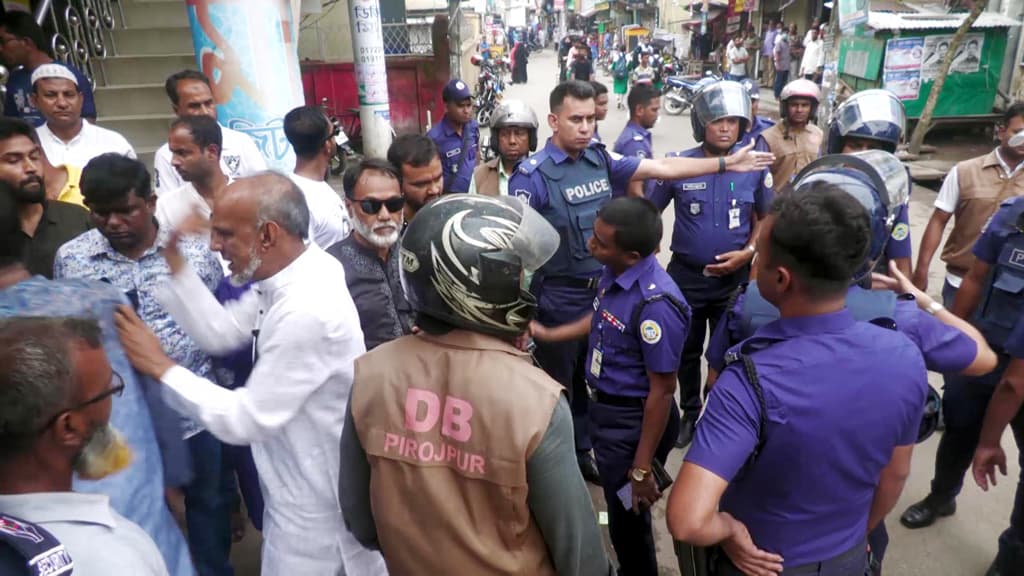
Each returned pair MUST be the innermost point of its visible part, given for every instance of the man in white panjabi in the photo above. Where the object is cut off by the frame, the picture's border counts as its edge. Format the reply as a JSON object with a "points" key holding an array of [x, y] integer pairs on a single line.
{"points": [[291, 409]]}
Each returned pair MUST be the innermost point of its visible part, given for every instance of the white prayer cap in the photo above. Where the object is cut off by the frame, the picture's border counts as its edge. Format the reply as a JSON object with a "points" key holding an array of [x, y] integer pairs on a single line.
{"points": [[53, 70]]}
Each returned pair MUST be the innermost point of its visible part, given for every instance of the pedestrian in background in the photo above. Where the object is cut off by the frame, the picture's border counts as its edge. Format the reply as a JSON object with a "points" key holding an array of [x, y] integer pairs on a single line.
{"points": [[781, 61], [768, 53]]}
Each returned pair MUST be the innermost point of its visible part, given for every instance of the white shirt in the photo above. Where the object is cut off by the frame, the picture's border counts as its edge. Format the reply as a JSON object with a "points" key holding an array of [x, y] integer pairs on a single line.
{"points": [[949, 197], [291, 409], [90, 142], [100, 541], [173, 207], [328, 219], [239, 157], [735, 52], [814, 55]]}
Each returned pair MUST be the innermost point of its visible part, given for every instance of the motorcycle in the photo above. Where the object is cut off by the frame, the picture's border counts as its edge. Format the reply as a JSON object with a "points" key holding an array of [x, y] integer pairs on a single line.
{"points": [[488, 89], [344, 154], [680, 90]]}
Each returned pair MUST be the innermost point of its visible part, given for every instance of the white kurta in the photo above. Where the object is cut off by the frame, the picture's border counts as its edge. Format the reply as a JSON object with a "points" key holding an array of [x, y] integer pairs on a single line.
{"points": [[239, 157], [291, 409]]}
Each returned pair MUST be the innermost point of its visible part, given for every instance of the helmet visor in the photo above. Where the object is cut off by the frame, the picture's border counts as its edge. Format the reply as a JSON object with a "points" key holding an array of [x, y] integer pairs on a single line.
{"points": [[722, 100], [536, 240], [872, 114]]}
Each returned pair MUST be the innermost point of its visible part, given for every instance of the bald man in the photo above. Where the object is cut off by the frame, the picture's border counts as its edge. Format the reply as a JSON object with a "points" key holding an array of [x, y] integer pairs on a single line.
{"points": [[291, 408]]}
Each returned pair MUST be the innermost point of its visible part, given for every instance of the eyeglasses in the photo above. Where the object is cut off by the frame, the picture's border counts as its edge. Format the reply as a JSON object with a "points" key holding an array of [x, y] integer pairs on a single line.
{"points": [[116, 389], [372, 205]]}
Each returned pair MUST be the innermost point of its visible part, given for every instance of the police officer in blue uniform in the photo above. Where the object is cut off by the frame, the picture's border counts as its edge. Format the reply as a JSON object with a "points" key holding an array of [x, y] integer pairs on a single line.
{"points": [[457, 136], [779, 474], [875, 120], [636, 332], [948, 343], [1003, 237], [717, 219], [759, 123], [568, 181], [635, 140]]}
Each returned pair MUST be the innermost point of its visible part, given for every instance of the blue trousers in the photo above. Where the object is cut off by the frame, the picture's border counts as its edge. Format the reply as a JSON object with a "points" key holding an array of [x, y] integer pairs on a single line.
{"points": [[616, 434], [207, 515]]}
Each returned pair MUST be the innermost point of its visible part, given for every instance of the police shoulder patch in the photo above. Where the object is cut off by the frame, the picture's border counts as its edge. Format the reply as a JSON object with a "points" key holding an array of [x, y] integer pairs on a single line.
{"points": [[900, 232], [769, 182], [614, 155], [522, 194], [650, 331]]}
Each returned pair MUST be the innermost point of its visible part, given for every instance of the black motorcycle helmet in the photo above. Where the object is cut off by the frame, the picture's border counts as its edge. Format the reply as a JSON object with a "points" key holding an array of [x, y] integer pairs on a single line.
{"points": [[463, 259]]}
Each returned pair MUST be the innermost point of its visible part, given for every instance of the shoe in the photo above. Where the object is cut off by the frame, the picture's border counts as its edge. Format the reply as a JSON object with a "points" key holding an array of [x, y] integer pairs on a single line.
{"points": [[687, 426], [588, 468], [925, 512]]}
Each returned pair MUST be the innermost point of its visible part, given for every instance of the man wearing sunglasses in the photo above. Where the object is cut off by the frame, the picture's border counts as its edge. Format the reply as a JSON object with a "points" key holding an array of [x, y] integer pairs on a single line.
{"points": [[310, 134], [56, 386], [375, 202]]}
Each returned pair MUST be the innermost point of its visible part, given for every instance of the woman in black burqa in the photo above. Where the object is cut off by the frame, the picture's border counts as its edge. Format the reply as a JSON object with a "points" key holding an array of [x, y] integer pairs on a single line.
{"points": [[520, 56]]}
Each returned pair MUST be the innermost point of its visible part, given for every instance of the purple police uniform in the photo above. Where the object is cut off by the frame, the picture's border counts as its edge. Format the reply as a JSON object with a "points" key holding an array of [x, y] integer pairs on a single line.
{"points": [[639, 326], [808, 494], [458, 153], [635, 140]]}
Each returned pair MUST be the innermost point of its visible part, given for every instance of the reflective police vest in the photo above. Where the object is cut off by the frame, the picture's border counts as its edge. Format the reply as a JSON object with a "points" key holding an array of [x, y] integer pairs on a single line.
{"points": [[576, 191], [1003, 301], [865, 305]]}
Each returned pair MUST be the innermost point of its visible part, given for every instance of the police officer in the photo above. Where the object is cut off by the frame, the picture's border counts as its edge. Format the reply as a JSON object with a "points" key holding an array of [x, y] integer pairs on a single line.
{"points": [[875, 120], [567, 181], [636, 332], [601, 101], [948, 343], [796, 140], [635, 140], [778, 464], [457, 136], [760, 123], [492, 456], [716, 224], [513, 136]]}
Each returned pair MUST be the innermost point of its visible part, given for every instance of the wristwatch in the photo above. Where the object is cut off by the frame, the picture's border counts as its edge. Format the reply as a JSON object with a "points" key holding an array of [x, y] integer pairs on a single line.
{"points": [[934, 308], [639, 474]]}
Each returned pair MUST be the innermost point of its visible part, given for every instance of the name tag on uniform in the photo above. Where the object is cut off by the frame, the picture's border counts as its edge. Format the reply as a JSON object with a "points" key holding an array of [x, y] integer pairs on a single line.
{"points": [[734, 218], [695, 186], [595, 363], [453, 152]]}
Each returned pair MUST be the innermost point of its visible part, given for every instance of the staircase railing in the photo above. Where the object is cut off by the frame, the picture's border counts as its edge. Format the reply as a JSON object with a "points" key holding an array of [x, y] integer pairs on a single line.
{"points": [[81, 32]]}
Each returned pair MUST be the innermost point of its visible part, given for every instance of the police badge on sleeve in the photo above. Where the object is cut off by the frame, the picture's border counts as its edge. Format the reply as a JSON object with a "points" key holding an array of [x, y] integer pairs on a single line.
{"points": [[650, 331]]}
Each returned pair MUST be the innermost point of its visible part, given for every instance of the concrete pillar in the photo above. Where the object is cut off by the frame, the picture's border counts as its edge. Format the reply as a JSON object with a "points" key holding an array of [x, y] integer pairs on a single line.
{"points": [[371, 76], [248, 50]]}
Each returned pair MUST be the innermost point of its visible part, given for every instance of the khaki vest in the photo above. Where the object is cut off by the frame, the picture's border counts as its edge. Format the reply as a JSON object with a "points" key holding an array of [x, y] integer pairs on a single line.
{"points": [[792, 153], [448, 423], [486, 178], [983, 186]]}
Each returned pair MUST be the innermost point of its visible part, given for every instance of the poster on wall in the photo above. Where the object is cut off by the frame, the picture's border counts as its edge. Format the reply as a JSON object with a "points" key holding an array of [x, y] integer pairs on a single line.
{"points": [[905, 84], [966, 61], [904, 53]]}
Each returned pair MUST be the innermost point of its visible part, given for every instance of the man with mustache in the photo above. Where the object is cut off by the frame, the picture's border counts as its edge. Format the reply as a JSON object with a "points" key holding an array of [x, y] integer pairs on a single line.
{"points": [[513, 136], [369, 255], [45, 224], [149, 427], [420, 173], [56, 386]]}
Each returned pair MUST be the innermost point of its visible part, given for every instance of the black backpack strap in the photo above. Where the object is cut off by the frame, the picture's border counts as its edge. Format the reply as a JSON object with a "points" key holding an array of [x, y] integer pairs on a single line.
{"points": [[743, 354], [638, 309]]}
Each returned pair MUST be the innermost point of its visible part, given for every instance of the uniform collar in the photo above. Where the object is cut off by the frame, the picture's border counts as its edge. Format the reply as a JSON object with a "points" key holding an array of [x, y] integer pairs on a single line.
{"points": [[449, 127], [472, 341], [43, 507], [808, 325], [638, 129], [632, 275], [559, 156]]}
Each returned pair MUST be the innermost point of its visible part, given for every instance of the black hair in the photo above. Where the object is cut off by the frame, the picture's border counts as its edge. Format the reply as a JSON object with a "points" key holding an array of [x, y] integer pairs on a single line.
{"points": [[637, 224], [598, 87], [11, 127], [171, 85], [944, 43], [570, 88], [23, 25], [1014, 110], [972, 41], [110, 177], [205, 131], [640, 95], [12, 239], [354, 173], [307, 128], [416, 150], [821, 234]]}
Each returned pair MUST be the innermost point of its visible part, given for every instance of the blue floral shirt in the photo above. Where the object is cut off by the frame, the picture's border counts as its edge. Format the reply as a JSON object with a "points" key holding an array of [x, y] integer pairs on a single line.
{"points": [[91, 256], [150, 427]]}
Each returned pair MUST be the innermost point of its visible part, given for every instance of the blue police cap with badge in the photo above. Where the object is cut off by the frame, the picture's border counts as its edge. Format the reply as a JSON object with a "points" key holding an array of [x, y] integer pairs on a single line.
{"points": [[27, 548], [456, 91]]}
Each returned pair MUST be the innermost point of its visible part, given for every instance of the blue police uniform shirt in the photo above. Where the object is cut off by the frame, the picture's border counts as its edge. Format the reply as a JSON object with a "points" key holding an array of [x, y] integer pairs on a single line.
{"points": [[621, 354], [635, 140], [945, 349], [19, 86], [458, 153], [808, 495], [714, 213], [1001, 245], [899, 244], [760, 125]]}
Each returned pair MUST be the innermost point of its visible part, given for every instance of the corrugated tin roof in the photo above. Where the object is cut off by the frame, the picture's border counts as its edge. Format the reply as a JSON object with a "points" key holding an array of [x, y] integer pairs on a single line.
{"points": [[928, 21]]}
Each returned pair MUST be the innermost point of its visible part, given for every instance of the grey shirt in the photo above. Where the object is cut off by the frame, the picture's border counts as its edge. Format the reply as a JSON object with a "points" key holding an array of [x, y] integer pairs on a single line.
{"points": [[558, 497], [376, 289], [100, 541]]}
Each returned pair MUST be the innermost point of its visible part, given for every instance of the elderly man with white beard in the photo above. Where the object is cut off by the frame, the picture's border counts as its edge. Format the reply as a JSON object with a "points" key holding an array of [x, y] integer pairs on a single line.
{"points": [[374, 200], [305, 334]]}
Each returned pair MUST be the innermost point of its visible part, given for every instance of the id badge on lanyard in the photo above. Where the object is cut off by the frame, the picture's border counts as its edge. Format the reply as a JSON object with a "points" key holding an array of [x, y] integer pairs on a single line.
{"points": [[734, 211], [597, 355]]}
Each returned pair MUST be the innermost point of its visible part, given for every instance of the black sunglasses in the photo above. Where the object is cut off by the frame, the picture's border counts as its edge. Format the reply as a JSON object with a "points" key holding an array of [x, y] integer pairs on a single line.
{"points": [[116, 389], [372, 206]]}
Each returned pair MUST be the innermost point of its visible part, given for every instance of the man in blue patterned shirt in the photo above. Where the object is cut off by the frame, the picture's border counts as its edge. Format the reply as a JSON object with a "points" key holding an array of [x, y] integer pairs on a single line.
{"points": [[151, 428], [125, 249]]}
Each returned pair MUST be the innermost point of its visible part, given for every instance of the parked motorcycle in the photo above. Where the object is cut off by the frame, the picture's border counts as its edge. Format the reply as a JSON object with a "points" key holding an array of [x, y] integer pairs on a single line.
{"points": [[680, 90], [344, 154], [489, 87]]}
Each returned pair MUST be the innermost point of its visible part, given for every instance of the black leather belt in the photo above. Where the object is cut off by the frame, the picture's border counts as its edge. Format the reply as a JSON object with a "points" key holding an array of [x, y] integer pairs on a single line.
{"points": [[616, 400], [573, 282]]}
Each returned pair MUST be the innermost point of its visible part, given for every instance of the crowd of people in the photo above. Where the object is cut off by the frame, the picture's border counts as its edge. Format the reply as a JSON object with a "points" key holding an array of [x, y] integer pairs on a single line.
{"points": [[420, 375]]}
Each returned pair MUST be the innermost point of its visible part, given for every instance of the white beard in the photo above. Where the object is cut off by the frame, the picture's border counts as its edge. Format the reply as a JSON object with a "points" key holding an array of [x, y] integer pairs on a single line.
{"points": [[371, 236]]}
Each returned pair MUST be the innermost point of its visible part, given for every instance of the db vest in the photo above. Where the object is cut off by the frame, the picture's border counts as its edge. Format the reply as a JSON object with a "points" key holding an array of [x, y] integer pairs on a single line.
{"points": [[448, 445], [983, 186], [864, 305], [576, 191]]}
